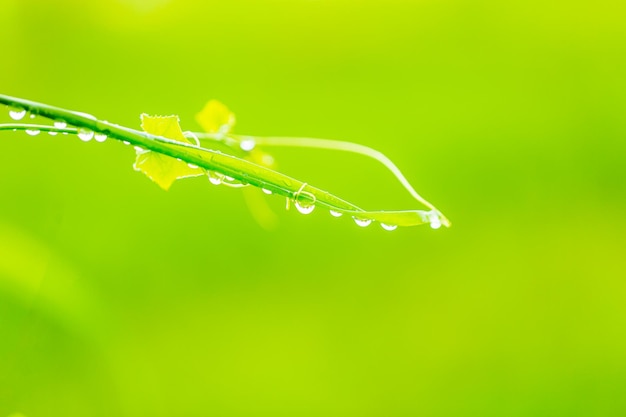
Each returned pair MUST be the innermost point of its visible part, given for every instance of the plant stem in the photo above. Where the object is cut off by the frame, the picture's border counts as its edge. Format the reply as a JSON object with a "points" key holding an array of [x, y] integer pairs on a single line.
{"points": [[228, 165]]}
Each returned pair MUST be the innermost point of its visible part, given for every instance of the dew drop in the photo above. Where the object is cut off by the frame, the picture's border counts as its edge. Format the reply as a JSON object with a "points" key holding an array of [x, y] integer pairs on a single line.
{"points": [[139, 149], [247, 145], [32, 132], [125, 142], [227, 178], [215, 178], [17, 113], [85, 134], [266, 191], [60, 124], [389, 227], [53, 133], [192, 166], [304, 208], [100, 137], [32, 116], [362, 222], [336, 213], [434, 219]]}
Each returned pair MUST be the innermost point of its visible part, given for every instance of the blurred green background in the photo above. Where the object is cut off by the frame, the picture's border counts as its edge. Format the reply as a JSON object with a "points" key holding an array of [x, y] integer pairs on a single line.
{"points": [[120, 299]]}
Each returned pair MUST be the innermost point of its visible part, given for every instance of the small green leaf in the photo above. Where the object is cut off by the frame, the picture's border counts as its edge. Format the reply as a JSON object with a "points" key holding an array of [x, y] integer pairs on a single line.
{"points": [[160, 168], [215, 117]]}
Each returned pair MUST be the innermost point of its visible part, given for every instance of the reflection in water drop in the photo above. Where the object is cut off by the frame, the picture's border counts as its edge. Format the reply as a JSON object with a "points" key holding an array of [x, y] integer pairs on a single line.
{"points": [[336, 213], [16, 113], [362, 222], [85, 134]]}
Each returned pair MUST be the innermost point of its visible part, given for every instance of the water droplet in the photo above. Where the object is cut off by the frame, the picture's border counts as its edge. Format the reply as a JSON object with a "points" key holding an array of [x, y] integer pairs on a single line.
{"points": [[266, 191], [139, 149], [362, 222], [247, 145], [53, 133], [60, 124], [304, 208], [100, 137], [125, 142], [32, 116], [215, 178], [389, 227], [32, 132], [434, 219], [227, 178], [192, 166], [16, 113], [85, 134], [336, 213]]}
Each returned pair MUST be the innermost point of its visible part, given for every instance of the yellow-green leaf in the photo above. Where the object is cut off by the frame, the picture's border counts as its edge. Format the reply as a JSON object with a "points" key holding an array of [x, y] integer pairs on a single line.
{"points": [[215, 117], [163, 169]]}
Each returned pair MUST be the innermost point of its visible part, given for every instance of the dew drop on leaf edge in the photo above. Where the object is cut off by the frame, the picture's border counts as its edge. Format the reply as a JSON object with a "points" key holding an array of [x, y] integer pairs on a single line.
{"points": [[336, 213], [434, 219], [60, 124], [85, 134], [389, 227], [214, 178], [266, 191], [304, 209], [362, 222], [17, 113], [100, 137], [32, 132]]}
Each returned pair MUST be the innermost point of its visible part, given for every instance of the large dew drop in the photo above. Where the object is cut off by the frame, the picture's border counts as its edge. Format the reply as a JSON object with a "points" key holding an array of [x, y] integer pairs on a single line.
{"points": [[32, 132], [85, 134], [16, 113], [389, 227], [304, 209], [100, 137], [60, 124], [336, 213], [362, 222]]}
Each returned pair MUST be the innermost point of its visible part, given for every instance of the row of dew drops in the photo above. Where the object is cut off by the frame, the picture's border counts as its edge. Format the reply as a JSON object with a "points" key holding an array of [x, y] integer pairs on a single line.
{"points": [[85, 135], [215, 178]]}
